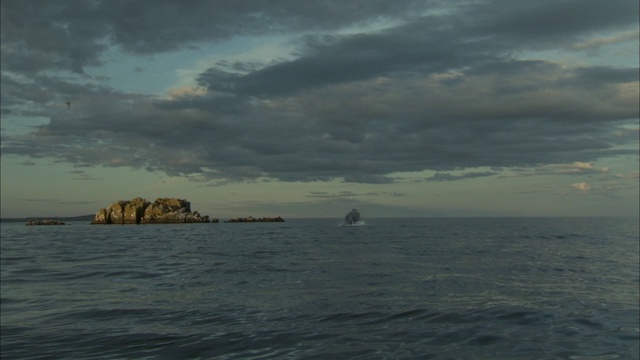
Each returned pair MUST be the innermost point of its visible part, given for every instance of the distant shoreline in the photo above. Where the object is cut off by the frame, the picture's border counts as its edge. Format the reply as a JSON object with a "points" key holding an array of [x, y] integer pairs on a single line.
{"points": [[59, 218]]}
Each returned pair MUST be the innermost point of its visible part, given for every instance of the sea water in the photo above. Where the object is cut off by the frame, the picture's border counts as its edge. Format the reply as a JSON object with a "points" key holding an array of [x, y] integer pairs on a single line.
{"points": [[434, 288]]}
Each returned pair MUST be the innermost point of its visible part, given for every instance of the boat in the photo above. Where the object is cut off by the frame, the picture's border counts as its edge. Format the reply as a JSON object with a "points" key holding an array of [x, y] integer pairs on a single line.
{"points": [[352, 217]]}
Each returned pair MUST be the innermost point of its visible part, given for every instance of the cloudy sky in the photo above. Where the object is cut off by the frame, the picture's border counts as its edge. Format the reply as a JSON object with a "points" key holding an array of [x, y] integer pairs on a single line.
{"points": [[311, 108]]}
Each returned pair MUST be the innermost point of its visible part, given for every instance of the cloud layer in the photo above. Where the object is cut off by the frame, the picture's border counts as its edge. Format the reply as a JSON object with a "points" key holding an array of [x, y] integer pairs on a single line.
{"points": [[435, 86]]}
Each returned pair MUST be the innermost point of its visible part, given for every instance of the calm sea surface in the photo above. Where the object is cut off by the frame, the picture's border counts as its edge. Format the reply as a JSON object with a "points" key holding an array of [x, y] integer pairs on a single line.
{"points": [[452, 288]]}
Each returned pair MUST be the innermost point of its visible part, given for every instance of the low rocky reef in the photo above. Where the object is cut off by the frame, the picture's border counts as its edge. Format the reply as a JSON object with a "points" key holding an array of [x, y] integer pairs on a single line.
{"points": [[141, 211], [44, 222], [252, 219]]}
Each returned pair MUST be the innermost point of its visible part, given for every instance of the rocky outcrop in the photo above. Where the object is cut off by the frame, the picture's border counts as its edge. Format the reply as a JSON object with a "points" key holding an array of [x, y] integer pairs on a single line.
{"points": [[134, 211], [141, 211], [252, 219], [163, 210], [44, 222]]}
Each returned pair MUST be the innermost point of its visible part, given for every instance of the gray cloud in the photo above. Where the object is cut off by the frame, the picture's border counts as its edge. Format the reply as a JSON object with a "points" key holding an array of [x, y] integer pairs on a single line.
{"points": [[452, 177], [350, 194], [27, 163], [549, 23], [438, 92], [70, 35]]}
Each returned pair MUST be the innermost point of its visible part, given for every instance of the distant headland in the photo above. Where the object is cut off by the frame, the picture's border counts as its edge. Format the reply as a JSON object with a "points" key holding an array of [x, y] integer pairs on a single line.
{"points": [[42, 220]]}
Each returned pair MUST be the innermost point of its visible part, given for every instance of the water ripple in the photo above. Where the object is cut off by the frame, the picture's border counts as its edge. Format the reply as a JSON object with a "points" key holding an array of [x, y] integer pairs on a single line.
{"points": [[423, 289]]}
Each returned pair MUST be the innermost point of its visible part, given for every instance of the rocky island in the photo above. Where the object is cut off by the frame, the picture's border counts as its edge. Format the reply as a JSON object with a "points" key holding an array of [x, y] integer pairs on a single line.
{"points": [[141, 211], [44, 222]]}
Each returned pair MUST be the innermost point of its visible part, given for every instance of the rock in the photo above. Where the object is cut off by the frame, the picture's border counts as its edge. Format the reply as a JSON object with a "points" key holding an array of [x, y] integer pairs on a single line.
{"points": [[116, 212], [171, 210], [44, 222], [141, 211], [252, 219], [134, 211], [101, 217]]}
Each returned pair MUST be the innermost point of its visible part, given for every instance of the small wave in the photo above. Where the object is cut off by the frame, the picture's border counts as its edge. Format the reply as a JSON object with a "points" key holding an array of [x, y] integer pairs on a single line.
{"points": [[342, 317], [107, 274]]}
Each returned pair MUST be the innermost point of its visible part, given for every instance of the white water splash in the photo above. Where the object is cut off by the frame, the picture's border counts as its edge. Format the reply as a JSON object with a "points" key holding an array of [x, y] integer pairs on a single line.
{"points": [[357, 223]]}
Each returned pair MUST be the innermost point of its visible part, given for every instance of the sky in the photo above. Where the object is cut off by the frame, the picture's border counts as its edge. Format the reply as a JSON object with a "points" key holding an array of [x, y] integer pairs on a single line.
{"points": [[310, 108]]}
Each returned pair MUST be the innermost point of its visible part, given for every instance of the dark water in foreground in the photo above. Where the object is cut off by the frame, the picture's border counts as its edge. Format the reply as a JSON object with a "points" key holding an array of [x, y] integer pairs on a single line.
{"points": [[539, 288]]}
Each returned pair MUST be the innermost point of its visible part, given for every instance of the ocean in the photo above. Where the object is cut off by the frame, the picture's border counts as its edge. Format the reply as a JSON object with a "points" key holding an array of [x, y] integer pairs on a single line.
{"points": [[428, 288]]}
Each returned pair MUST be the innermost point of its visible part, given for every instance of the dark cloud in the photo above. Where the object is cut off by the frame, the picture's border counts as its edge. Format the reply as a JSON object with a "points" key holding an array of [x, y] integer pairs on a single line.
{"points": [[40, 34], [476, 40], [70, 35], [351, 195], [544, 24], [452, 177], [418, 47], [27, 163], [86, 177], [442, 91], [599, 75]]}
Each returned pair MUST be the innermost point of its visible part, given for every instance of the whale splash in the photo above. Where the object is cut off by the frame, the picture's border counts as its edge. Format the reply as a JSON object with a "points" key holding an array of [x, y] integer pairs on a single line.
{"points": [[352, 219], [357, 223]]}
